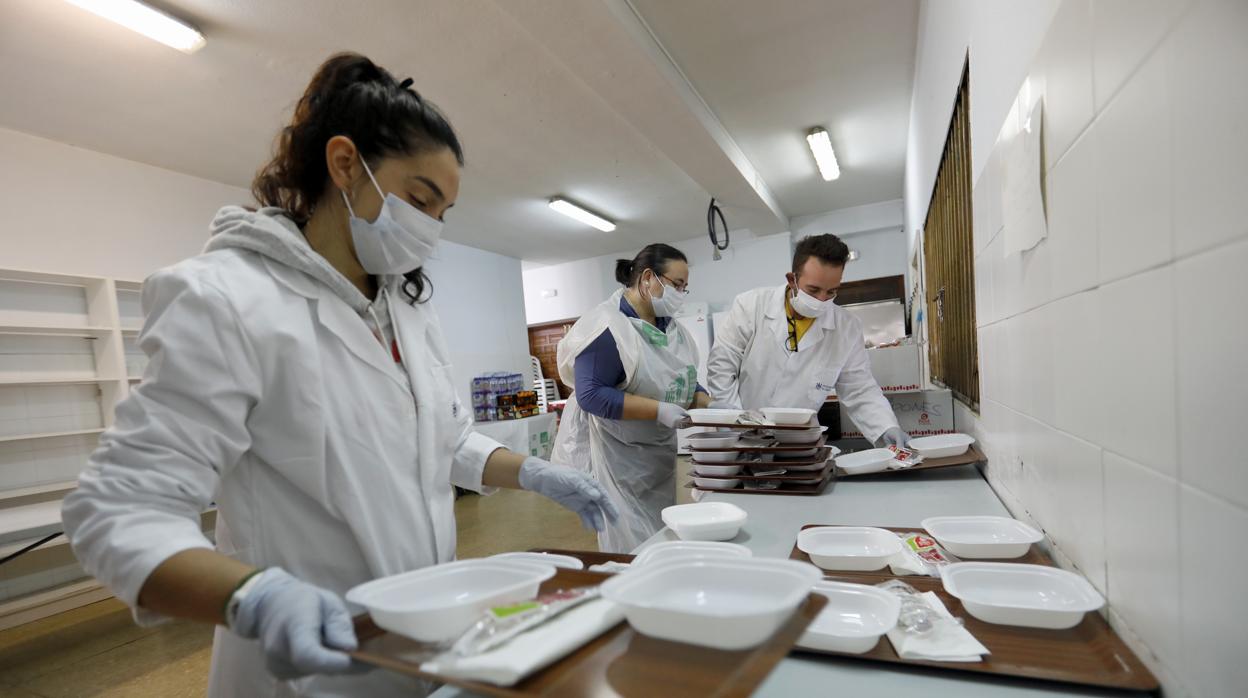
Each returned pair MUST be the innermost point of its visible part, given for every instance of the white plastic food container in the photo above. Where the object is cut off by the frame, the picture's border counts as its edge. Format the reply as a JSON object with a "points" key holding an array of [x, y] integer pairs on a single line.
{"points": [[727, 604], [714, 457], [1010, 593], [985, 537], [439, 603], [714, 416], [874, 460], [941, 445], [854, 619], [713, 439], [849, 548], [716, 470], [799, 436], [704, 520], [680, 550], [565, 561], [788, 415], [716, 483]]}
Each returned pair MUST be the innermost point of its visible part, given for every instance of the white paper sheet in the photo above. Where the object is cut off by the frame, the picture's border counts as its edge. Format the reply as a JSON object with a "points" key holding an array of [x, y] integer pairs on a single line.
{"points": [[1022, 201]]}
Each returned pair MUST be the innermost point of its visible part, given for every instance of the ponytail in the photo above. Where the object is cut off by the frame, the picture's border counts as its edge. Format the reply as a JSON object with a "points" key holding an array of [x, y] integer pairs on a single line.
{"points": [[654, 257]]}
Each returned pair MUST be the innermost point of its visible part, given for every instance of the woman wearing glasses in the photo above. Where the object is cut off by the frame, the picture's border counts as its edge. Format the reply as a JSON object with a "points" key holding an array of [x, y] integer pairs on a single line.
{"points": [[635, 372], [791, 346]]}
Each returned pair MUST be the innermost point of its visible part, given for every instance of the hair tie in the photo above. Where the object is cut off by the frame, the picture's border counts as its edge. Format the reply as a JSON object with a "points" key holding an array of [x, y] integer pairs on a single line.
{"points": [[407, 82]]}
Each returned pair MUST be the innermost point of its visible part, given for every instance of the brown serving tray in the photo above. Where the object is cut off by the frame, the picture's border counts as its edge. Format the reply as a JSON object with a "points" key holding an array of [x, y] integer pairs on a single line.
{"points": [[762, 449], [805, 490], [1034, 556], [1089, 654], [619, 662], [589, 557], [786, 427], [806, 475], [822, 456], [973, 455]]}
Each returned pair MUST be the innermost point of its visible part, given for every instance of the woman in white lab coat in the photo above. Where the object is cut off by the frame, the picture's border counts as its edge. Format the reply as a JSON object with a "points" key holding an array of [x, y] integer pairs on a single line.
{"points": [[635, 372], [298, 379]]}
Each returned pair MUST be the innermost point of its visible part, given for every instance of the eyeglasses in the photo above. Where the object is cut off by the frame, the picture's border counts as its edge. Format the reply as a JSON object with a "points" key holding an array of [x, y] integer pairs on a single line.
{"points": [[681, 286]]}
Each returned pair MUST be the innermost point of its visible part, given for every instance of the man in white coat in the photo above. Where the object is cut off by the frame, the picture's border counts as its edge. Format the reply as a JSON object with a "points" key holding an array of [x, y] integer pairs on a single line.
{"points": [[791, 346]]}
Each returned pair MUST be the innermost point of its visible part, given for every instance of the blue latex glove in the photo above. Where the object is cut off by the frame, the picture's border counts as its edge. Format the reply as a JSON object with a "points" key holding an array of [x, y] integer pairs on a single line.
{"points": [[303, 629], [672, 416], [571, 488], [894, 436]]}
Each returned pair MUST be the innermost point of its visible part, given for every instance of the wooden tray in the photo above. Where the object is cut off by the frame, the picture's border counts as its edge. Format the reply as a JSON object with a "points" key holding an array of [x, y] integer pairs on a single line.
{"points": [[589, 557], [1034, 556], [785, 427], [972, 456], [806, 475], [1089, 654], [618, 662], [821, 457], [804, 490], [762, 449]]}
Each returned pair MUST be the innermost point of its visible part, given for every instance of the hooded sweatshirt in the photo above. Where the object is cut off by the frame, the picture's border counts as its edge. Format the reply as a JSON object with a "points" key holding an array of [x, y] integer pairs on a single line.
{"points": [[269, 232]]}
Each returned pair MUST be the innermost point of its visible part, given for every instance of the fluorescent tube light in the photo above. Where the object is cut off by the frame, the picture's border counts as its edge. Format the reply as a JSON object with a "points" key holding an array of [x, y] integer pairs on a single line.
{"points": [[821, 147], [571, 210], [147, 21]]}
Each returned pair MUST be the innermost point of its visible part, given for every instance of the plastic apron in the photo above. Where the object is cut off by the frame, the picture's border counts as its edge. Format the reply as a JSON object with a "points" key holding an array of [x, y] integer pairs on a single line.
{"points": [[634, 460]]}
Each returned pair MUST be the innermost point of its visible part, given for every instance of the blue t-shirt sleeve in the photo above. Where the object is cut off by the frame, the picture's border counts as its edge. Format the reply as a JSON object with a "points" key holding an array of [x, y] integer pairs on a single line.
{"points": [[598, 370], [700, 389]]}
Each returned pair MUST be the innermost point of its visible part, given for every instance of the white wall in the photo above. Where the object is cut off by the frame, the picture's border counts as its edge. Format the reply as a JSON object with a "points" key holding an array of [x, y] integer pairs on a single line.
{"points": [[66, 209], [875, 231], [1112, 356], [582, 284], [1002, 37], [477, 296]]}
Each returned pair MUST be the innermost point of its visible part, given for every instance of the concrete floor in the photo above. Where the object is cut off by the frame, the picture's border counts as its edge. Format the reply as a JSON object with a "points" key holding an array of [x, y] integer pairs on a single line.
{"points": [[97, 650]]}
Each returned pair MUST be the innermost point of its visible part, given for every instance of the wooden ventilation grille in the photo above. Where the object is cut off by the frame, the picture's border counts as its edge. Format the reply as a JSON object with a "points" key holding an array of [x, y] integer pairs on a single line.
{"points": [[948, 260]]}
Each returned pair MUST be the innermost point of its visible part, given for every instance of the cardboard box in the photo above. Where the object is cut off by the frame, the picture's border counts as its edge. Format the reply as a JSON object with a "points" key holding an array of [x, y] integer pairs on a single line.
{"points": [[896, 369], [921, 413]]}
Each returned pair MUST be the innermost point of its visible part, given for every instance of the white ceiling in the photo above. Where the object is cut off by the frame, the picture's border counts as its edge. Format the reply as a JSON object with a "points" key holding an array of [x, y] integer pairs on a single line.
{"points": [[773, 70], [551, 97]]}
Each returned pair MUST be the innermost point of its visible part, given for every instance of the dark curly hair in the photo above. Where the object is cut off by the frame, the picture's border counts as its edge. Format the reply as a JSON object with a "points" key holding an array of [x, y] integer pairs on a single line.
{"points": [[350, 96], [827, 247]]}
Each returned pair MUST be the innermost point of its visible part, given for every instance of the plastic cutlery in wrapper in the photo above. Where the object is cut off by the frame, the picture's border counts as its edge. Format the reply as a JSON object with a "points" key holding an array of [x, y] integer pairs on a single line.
{"points": [[920, 554], [502, 623]]}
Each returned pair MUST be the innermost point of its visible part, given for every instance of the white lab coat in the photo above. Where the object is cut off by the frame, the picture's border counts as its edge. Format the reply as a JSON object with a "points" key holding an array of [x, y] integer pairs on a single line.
{"points": [[268, 394], [751, 367]]}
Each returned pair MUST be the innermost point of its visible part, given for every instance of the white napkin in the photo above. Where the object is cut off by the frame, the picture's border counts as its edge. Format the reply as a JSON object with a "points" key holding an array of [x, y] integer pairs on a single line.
{"points": [[907, 562], [947, 642], [611, 567], [533, 650]]}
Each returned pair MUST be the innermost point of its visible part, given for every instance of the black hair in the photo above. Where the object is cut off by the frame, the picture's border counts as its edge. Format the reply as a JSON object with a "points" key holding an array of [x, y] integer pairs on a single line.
{"points": [[655, 256], [351, 96], [826, 247]]}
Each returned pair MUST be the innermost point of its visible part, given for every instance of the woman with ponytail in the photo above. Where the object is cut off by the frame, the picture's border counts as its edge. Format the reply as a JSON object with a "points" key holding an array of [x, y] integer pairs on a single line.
{"points": [[298, 379], [635, 371]]}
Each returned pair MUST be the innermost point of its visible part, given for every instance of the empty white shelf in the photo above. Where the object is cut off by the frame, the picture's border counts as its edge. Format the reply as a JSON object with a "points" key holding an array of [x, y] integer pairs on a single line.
{"points": [[55, 330], [51, 434], [44, 488], [43, 379], [30, 521]]}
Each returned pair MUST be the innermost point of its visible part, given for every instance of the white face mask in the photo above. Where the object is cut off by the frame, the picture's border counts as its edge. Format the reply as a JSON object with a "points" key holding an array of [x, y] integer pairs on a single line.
{"points": [[669, 303], [400, 240], [807, 305]]}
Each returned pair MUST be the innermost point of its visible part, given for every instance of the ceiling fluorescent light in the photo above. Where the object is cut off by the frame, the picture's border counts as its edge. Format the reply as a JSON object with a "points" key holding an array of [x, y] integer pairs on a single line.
{"points": [[821, 147], [571, 210], [147, 21]]}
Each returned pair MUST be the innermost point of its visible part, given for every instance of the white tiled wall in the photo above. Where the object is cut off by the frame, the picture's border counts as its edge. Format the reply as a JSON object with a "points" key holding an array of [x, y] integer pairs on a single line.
{"points": [[1114, 357]]}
